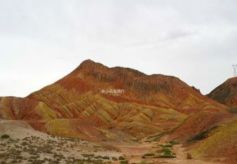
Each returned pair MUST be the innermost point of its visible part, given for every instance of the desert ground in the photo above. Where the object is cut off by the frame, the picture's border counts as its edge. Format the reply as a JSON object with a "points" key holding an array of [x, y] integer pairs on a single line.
{"points": [[20, 143]]}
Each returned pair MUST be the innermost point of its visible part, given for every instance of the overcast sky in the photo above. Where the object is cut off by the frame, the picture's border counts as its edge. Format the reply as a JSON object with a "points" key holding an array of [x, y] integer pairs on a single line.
{"points": [[43, 40]]}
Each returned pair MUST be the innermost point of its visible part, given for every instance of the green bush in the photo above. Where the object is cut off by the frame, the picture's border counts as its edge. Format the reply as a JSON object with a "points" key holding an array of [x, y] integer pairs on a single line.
{"points": [[121, 158], [114, 159], [5, 136], [167, 153], [124, 162]]}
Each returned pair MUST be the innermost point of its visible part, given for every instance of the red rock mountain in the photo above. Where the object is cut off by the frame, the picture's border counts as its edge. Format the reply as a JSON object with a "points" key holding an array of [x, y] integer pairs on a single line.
{"points": [[226, 93], [96, 102]]}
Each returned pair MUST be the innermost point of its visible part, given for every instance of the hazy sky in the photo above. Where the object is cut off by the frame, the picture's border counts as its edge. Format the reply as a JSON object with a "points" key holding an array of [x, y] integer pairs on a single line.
{"points": [[43, 40]]}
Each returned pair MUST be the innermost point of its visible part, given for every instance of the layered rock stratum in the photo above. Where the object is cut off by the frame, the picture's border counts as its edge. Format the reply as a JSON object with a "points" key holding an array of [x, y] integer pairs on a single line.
{"points": [[122, 105]]}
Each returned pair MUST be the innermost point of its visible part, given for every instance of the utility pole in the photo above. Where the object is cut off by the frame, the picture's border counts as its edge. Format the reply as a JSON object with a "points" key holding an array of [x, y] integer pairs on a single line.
{"points": [[234, 69]]}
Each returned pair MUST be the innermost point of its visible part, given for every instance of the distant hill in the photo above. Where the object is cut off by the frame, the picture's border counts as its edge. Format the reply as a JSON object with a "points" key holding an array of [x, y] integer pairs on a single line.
{"points": [[226, 93]]}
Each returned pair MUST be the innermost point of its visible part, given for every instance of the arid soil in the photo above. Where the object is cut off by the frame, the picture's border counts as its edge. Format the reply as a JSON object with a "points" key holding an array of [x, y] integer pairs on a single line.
{"points": [[20, 143], [151, 153]]}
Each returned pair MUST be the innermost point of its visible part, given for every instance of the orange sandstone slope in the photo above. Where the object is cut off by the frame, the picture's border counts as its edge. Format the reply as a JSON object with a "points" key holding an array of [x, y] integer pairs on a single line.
{"points": [[15, 108], [226, 93], [203, 122], [96, 102]]}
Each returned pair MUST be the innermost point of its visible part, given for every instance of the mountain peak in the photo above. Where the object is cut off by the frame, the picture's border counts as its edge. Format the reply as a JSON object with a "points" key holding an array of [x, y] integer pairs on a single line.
{"points": [[88, 61], [89, 65]]}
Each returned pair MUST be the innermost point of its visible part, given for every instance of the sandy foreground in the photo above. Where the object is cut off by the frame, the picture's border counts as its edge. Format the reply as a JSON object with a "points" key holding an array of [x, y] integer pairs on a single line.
{"points": [[26, 145], [19, 143]]}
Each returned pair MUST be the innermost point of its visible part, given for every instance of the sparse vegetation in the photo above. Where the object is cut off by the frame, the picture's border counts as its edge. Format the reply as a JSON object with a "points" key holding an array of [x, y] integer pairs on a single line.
{"points": [[121, 158], [166, 153], [124, 162], [5, 136], [56, 150], [114, 159]]}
